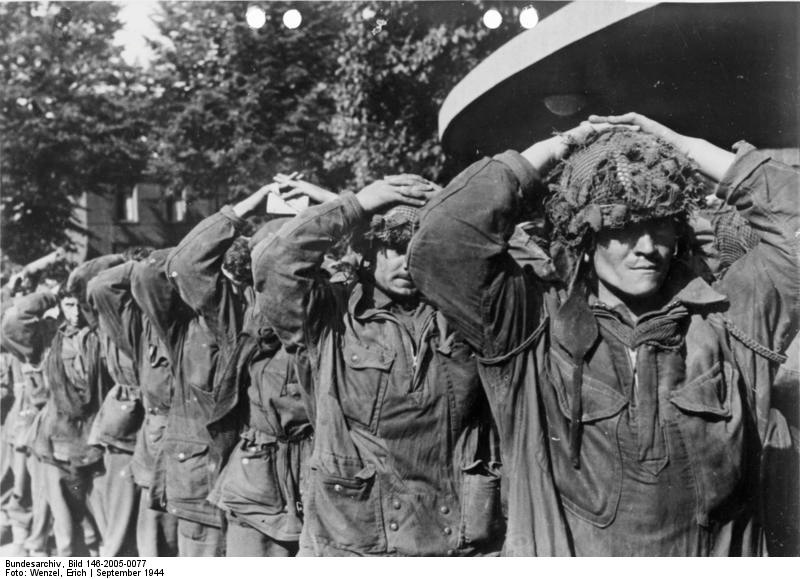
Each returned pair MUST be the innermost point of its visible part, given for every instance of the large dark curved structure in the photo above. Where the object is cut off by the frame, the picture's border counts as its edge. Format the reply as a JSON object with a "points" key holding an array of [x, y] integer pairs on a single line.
{"points": [[723, 71]]}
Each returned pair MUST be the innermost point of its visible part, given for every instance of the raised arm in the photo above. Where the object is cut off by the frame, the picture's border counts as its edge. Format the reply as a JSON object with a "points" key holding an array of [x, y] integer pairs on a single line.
{"points": [[158, 300], [119, 317], [763, 286], [195, 265], [459, 256], [287, 268], [23, 326]]}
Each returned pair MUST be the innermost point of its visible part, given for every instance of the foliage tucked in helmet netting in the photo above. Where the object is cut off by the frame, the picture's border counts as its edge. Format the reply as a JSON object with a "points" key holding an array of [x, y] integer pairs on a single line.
{"points": [[616, 178], [393, 229]]}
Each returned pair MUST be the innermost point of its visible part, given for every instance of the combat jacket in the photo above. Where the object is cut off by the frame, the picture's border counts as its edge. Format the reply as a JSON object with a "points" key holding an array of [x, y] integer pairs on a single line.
{"points": [[138, 360], [198, 338], [76, 381], [26, 334], [671, 430], [260, 484], [401, 462]]}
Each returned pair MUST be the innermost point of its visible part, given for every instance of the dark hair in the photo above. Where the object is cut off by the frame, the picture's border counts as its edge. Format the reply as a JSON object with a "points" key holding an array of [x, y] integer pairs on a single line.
{"points": [[137, 252], [237, 261], [65, 292]]}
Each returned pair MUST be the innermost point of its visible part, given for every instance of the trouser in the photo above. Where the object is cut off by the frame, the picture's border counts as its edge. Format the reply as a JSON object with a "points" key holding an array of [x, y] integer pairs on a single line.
{"points": [[199, 540], [6, 485], [156, 531], [114, 501], [67, 489], [17, 509], [34, 521], [242, 540]]}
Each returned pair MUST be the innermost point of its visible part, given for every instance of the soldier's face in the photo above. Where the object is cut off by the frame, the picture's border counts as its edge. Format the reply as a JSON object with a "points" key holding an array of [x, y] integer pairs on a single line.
{"points": [[70, 310], [632, 262], [391, 275]]}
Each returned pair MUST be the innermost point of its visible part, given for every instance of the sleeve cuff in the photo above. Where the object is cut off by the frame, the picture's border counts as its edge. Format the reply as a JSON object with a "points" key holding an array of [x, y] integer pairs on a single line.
{"points": [[237, 222], [352, 208], [525, 173], [747, 160]]}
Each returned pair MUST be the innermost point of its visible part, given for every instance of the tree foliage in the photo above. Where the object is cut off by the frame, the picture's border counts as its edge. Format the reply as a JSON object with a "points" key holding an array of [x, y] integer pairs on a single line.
{"points": [[350, 95], [237, 104], [70, 119], [396, 63]]}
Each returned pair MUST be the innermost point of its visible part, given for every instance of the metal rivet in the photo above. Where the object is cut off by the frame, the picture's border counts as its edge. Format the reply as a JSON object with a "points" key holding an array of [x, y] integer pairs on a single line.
{"points": [[393, 526], [444, 510], [338, 488], [396, 504], [174, 274], [124, 407], [447, 530], [245, 461], [181, 455], [450, 552], [354, 358]]}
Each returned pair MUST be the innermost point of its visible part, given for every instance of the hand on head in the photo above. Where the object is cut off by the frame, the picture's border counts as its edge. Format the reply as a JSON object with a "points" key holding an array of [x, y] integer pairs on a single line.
{"points": [[385, 193], [297, 187], [637, 122], [414, 183]]}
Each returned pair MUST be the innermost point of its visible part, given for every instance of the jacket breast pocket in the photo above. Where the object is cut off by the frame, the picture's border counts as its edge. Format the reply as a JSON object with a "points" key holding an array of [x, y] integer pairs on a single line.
{"points": [[591, 491], [710, 419], [364, 386], [343, 511], [707, 395], [187, 470]]}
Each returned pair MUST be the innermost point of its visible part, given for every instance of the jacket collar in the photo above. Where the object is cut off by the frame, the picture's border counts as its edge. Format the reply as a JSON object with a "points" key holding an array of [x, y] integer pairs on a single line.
{"points": [[574, 326], [367, 300]]}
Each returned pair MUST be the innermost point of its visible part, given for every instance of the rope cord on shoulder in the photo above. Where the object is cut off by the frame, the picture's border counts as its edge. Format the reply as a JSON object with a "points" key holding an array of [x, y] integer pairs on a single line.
{"points": [[751, 344], [522, 347]]}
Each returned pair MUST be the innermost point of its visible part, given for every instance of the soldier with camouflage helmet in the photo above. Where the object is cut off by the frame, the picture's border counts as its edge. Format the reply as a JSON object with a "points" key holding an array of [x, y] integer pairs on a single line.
{"points": [[403, 462], [632, 402]]}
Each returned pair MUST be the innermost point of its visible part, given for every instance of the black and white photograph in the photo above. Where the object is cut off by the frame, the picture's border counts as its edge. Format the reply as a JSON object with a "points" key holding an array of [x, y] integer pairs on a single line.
{"points": [[397, 278]]}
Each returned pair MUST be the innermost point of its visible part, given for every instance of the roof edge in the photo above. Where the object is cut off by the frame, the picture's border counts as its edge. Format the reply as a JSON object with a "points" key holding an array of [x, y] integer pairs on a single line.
{"points": [[531, 46]]}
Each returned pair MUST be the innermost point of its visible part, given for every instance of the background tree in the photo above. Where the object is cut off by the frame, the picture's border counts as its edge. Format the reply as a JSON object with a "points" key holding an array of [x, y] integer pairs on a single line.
{"points": [[70, 119], [397, 61], [236, 105], [350, 95]]}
